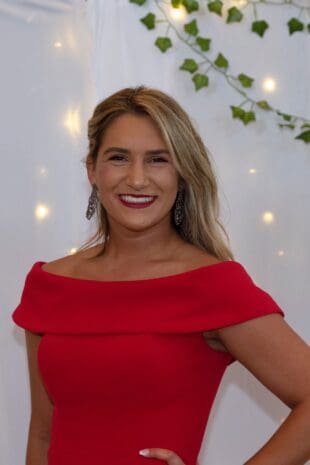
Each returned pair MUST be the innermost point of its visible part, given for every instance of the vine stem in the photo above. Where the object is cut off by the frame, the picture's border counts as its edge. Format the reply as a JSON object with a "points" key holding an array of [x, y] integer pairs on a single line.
{"points": [[229, 78], [284, 2]]}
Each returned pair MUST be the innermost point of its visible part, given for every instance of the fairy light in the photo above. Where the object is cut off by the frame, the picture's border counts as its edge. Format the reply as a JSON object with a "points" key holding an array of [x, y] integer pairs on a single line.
{"points": [[268, 217], [178, 14], [269, 84], [239, 3], [72, 121], [41, 171], [280, 253], [57, 44], [41, 212], [252, 170], [72, 251]]}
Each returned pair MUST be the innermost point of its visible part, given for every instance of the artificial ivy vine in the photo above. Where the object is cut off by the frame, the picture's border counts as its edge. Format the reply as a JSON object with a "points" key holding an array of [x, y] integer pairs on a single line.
{"points": [[201, 45]]}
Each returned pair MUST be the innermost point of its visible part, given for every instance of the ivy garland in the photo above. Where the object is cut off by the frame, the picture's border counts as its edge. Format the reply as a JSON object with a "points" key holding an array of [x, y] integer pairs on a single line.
{"points": [[199, 45]]}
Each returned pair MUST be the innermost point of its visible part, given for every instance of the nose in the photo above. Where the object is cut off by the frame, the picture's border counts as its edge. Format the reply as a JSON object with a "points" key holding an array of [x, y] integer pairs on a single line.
{"points": [[137, 175]]}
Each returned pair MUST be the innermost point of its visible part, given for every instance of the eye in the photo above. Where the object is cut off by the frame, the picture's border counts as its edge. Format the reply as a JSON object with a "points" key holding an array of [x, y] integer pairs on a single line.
{"points": [[114, 157], [159, 159]]}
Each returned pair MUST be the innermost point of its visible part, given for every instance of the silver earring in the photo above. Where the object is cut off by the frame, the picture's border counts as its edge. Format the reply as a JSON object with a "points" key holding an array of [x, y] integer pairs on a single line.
{"points": [[179, 208], [92, 203]]}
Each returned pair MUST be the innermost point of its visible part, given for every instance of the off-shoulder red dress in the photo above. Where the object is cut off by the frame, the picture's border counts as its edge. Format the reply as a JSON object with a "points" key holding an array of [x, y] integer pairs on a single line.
{"points": [[125, 363]]}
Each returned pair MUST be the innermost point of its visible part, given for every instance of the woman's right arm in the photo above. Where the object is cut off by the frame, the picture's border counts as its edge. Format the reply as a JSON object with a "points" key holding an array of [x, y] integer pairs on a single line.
{"points": [[41, 407]]}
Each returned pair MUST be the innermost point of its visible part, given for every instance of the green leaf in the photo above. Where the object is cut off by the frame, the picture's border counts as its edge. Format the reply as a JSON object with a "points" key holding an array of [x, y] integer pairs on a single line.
{"points": [[263, 104], [237, 112], [191, 5], [176, 3], [163, 43], [189, 65], [216, 7], [291, 126], [138, 2], [245, 116], [234, 15], [308, 27], [191, 28], [248, 117], [221, 61], [203, 43], [295, 25], [305, 136], [285, 116], [260, 27], [245, 80], [305, 125], [149, 20], [200, 80]]}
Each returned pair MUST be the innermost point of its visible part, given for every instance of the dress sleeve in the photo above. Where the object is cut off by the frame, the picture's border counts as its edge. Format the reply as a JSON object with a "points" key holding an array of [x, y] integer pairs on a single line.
{"points": [[25, 314], [242, 300], [245, 300]]}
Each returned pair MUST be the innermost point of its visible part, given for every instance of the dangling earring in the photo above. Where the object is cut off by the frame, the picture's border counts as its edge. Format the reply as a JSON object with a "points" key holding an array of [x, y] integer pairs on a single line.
{"points": [[92, 203], [179, 208]]}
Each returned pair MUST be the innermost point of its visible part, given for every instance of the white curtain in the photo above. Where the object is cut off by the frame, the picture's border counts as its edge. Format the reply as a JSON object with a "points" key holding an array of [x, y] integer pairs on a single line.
{"points": [[59, 58]]}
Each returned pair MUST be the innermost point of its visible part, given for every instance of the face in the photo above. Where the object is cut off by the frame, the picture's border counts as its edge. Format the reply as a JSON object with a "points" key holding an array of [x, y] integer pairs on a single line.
{"points": [[134, 160]]}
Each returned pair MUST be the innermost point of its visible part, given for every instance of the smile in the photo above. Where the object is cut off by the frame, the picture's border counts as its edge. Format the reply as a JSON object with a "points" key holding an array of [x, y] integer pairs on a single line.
{"points": [[137, 202]]}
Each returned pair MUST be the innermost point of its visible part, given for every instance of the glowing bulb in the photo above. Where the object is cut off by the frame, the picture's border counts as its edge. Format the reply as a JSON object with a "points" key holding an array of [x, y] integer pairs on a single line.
{"points": [[280, 252], [57, 44], [178, 14], [238, 3], [72, 250], [41, 212], [73, 121], [269, 85], [252, 170], [43, 171], [268, 217]]}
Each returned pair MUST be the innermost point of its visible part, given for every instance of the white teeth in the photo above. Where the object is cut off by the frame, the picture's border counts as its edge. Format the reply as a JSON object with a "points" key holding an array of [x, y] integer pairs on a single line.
{"points": [[129, 198]]}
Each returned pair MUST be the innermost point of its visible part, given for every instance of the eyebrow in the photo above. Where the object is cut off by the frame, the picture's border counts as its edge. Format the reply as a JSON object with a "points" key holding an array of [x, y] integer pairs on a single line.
{"points": [[148, 152]]}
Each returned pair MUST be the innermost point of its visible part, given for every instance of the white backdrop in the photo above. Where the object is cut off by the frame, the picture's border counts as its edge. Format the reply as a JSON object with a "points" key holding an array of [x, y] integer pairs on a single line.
{"points": [[59, 58]]}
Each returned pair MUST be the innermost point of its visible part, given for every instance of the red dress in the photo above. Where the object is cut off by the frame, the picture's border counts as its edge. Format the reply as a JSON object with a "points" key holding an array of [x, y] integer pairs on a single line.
{"points": [[125, 363]]}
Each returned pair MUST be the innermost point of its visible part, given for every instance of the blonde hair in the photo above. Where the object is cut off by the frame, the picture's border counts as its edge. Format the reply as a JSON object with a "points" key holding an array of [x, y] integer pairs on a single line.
{"points": [[201, 225]]}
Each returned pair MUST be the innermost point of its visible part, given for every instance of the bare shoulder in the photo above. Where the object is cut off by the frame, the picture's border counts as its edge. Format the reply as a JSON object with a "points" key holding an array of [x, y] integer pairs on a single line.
{"points": [[66, 265], [197, 256]]}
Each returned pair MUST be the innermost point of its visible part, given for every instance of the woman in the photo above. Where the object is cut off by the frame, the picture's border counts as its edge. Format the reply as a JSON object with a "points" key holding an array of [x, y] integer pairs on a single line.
{"points": [[128, 340]]}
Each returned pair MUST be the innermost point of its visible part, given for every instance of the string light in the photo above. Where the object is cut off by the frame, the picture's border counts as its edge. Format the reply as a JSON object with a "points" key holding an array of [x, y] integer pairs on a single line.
{"points": [[42, 171], [57, 44], [177, 14], [269, 84], [41, 212], [73, 121], [280, 253], [252, 170], [238, 3], [268, 217], [72, 251]]}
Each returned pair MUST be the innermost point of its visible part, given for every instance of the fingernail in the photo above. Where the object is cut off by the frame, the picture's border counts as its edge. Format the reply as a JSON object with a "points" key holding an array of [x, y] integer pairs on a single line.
{"points": [[144, 452]]}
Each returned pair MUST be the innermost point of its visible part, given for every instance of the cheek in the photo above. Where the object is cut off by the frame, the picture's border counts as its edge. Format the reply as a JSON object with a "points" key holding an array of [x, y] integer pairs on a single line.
{"points": [[107, 176]]}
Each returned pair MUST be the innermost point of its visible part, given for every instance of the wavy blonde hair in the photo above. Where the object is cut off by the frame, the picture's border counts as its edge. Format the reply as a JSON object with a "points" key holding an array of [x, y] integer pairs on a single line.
{"points": [[201, 225]]}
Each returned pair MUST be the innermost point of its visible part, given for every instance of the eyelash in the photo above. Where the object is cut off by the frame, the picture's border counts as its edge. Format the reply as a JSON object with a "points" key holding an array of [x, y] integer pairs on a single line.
{"points": [[121, 156]]}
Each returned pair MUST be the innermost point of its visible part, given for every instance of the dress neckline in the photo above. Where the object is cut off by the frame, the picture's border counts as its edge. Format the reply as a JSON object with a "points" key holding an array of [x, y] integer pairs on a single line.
{"points": [[37, 267]]}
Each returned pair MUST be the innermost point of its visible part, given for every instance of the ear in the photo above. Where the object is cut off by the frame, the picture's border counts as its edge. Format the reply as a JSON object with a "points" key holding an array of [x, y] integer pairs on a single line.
{"points": [[181, 184], [90, 170]]}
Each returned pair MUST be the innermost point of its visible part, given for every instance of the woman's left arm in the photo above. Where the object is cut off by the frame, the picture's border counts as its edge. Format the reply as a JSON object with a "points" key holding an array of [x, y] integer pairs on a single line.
{"points": [[278, 357]]}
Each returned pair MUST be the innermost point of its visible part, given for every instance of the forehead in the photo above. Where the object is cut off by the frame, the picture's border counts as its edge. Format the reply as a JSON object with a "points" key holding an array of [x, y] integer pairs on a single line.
{"points": [[133, 128]]}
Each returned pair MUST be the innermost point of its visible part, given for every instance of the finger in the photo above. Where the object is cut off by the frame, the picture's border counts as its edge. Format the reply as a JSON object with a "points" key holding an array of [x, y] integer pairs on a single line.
{"points": [[164, 454]]}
